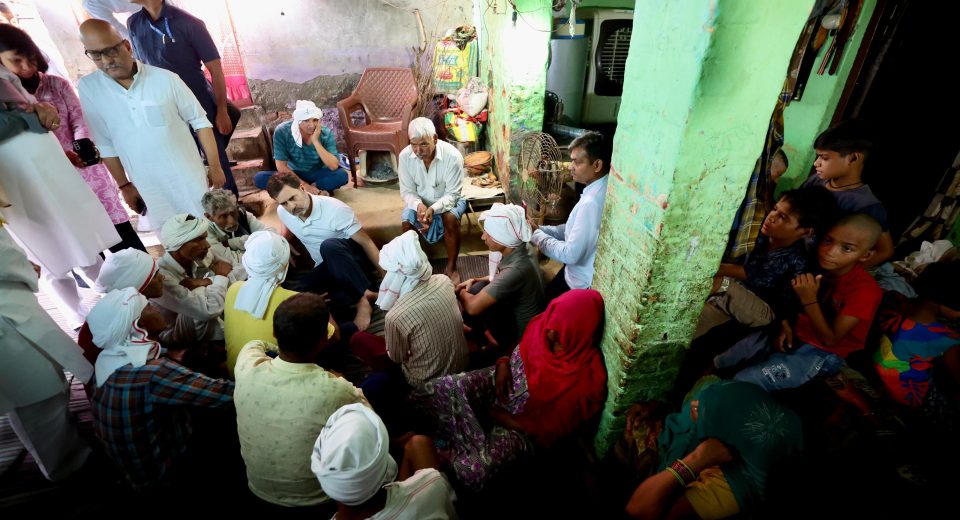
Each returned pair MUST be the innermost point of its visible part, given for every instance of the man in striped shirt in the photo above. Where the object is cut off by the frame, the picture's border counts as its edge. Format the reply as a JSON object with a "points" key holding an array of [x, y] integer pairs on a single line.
{"points": [[423, 326]]}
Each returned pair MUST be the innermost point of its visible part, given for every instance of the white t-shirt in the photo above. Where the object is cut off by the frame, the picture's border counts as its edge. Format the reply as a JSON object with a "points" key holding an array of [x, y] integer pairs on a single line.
{"points": [[329, 218], [424, 496]]}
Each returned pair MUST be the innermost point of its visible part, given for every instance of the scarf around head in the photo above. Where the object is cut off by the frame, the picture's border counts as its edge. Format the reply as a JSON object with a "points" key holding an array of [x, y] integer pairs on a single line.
{"points": [[180, 229], [406, 265], [351, 457], [566, 388], [126, 268], [305, 110], [266, 259], [113, 324]]}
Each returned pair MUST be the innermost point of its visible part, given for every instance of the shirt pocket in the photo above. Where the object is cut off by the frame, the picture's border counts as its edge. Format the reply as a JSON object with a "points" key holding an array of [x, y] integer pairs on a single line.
{"points": [[154, 115]]}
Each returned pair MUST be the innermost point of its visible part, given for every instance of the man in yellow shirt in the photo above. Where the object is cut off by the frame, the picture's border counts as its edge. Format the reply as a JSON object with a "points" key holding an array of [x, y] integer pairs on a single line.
{"points": [[249, 307]]}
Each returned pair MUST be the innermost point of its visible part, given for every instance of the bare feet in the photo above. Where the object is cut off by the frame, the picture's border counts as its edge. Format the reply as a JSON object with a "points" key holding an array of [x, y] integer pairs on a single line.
{"points": [[454, 276], [364, 311], [370, 295]]}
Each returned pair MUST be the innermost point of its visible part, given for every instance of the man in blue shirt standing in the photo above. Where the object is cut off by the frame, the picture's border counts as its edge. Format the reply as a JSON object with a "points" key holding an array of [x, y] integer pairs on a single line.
{"points": [[168, 37], [307, 148]]}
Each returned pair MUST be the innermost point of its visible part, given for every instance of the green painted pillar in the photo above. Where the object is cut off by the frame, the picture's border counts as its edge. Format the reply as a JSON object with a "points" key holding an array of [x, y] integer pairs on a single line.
{"points": [[513, 63], [701, 82]]}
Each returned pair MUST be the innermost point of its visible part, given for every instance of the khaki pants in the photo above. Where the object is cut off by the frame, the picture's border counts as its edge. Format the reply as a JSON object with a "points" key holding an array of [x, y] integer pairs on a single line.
{"points": [[738, 303]]}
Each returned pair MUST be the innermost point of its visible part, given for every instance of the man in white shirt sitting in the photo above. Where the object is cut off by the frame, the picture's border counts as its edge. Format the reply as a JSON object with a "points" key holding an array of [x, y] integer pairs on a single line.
{"points": [[344, 256], [230, 225], [575, 243], [195, 282], [431, 185]]}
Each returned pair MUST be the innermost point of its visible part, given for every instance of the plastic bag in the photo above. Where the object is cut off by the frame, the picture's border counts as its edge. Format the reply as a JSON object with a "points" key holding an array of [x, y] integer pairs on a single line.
{"points": [[472, 98]]}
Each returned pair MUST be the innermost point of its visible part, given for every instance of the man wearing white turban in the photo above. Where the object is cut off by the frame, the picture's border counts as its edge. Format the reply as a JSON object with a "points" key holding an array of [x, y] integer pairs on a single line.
{"points": [[33, 391], [138, 398], [194, 282], [131, 268], [283, 402], [250, 306], [512, 294], [423, 327], [125, 268], [352, 461], [307, 148]]}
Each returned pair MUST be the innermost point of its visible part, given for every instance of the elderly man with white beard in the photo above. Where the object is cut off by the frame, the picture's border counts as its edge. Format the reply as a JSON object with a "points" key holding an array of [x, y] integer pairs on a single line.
{"points": [[230, 225]]}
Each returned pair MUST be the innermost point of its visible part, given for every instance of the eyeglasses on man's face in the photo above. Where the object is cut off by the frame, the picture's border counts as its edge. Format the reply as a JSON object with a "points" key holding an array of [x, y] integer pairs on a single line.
{"points": [[109, 52]]}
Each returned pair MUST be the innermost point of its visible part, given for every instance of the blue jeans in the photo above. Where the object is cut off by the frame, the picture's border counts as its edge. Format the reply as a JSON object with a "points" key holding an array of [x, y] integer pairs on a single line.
{"points": [[323, 178], [778, 370]]}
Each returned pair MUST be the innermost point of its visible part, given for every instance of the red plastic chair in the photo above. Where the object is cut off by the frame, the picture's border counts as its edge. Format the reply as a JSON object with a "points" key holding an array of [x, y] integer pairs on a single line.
{"points": [[387, 96]]}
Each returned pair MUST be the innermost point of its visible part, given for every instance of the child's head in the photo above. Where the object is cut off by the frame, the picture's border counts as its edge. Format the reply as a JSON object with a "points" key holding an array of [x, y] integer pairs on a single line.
{"points": [[842, 150], [778, 165], [800, 213], [940, 283], [848, 242]]}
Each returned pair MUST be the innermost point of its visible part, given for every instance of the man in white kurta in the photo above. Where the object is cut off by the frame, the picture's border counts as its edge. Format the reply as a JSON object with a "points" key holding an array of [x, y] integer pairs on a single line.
{"points": [[195, 281], [34, 353], [140, 118]]}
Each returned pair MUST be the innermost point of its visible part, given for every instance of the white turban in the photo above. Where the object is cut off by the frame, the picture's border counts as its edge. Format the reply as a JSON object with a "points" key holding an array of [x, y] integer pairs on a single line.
{"points": [[351, 457], [126, 268], [265, 260], [406, 266], [506, 224], [113, 324], [305, 110], [177, 230]]}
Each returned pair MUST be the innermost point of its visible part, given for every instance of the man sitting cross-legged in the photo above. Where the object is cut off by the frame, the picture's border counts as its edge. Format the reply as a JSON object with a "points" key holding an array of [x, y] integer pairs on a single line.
{"points": [[283, 403], [431, 185], [512, 294], [251, 304], [308, 149], [230, 226], [423, 328], [195, 282], [139, 401], [344, 257]]}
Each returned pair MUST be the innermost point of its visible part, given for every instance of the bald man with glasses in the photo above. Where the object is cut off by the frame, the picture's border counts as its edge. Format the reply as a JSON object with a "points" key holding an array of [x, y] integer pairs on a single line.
{"points": [[140, 117]]}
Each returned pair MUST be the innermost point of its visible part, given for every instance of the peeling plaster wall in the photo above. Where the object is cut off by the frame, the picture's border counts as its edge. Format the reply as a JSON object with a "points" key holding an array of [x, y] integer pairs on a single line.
{"points": [[513, 63], [317, 50], [701, 81]]}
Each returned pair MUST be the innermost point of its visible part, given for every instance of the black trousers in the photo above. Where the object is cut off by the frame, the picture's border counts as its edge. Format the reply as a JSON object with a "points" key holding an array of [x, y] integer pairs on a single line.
{"points": [[345, 274]]}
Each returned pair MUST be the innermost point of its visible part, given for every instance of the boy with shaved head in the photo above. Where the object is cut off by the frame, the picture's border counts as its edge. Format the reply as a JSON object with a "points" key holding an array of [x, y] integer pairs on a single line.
{"points": [[838, 307]]}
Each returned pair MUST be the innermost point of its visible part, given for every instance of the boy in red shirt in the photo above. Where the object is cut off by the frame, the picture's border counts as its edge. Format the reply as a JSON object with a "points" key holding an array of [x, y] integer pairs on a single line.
{"points": [[838, 307]]}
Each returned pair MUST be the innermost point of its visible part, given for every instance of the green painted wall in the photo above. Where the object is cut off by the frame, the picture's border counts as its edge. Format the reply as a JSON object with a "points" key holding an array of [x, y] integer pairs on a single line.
{"points": [[803, 120], [702, 80], [513, 64]]}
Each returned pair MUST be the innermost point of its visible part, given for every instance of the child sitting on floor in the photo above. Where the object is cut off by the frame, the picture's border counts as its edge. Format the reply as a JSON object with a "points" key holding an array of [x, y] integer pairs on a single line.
{"points": [[757, 291], [838, 308]]}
